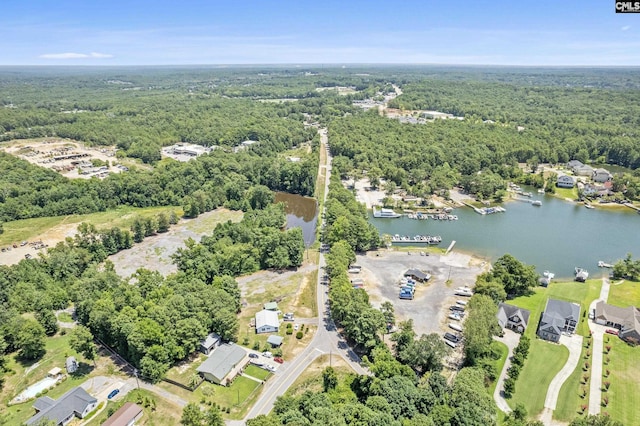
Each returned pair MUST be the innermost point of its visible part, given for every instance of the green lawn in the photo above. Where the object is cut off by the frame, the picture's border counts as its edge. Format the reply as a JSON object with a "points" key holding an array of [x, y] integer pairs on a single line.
{"points": [[544, 362], [570, 398], [65, 317], [499, 363], [627, 293], [184, 371], [571, 193], [123, 216], [624, 393], [156, 410], [257, 372]]}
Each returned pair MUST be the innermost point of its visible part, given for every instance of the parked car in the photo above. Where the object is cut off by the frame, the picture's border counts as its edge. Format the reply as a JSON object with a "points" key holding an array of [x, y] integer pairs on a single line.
{"points": [[451, 337], [252, 355], [267, 354], [457, 308], [113, 393], [278, 360], [611, 331]]}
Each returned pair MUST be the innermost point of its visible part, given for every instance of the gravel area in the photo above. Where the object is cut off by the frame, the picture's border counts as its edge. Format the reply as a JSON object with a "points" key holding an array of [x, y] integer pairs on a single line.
{"points": [[382, 271]]}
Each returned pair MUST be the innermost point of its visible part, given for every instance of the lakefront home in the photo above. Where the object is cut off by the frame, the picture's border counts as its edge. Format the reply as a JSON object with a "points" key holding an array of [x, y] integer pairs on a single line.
{"points": [[558, 317], [565, 181], [627, 320], [513, 317], [601, 175]]}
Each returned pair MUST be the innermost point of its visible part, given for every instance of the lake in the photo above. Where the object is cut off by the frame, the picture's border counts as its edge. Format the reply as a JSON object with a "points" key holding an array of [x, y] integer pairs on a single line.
{"points": [[557, 236], [301, 212]]}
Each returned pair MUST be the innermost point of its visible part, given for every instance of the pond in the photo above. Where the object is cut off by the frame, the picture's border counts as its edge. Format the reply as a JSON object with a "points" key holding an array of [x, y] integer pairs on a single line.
{"points": [[301, 212]]}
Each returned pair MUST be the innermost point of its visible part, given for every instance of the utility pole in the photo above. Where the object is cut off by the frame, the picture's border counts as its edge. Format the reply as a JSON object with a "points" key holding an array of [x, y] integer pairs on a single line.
{"points": [[135, 373]]}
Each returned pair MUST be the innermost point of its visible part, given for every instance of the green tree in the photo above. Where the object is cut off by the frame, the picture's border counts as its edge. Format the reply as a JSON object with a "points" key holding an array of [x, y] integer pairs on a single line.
{"points": [[480, 327], [425, 354], [595, 420], [213, 417], [81, 340], [389, 314], [31, 340], [163, 223], [191, 415], [329, 379], [47, 320]]}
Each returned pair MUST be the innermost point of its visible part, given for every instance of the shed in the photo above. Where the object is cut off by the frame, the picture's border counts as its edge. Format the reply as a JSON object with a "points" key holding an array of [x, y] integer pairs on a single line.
{"points": [[209, 343], [275, 340], [127, 415], [223, 364], [271, 306]]}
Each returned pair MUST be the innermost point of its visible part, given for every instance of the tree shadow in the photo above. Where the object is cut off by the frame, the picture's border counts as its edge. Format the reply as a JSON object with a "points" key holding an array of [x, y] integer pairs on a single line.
{"points": [[83, 370]]}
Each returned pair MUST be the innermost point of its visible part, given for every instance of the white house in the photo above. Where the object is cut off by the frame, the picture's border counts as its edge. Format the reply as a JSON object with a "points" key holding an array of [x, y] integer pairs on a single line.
{"points": [[601, 175], [267, 322], [565, 181]]}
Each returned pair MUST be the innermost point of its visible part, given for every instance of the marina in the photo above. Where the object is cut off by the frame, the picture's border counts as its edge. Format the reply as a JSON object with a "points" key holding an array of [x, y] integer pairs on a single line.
{"points": [[416, 239], [555, 237]]}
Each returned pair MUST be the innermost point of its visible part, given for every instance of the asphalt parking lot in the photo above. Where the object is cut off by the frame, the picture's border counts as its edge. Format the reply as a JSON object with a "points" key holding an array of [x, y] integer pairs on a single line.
{"points": [[382, 271]]}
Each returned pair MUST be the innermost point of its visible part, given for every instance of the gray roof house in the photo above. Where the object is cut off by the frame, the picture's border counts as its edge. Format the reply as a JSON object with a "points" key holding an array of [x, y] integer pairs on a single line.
{"points": [[267, 322], [583, 170], [574, 163], [209, 343], [601, 175], [565, 181], [558, 317], [275, 340], [75, 403], [513, 317], [224, 363], [627, 320]]}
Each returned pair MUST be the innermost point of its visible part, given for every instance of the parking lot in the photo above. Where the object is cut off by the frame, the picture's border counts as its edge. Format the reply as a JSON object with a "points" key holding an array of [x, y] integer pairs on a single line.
{"points": [[381, 272]]}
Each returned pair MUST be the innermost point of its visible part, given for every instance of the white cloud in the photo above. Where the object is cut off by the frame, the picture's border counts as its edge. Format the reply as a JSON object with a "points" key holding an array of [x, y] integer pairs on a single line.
{"points": [[71, 55], [626, 27]]}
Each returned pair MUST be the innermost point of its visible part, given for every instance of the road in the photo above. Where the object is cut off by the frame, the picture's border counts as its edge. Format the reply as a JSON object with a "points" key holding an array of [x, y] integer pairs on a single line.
{"points": [[511, 339], [597, 331], [325, 341]]}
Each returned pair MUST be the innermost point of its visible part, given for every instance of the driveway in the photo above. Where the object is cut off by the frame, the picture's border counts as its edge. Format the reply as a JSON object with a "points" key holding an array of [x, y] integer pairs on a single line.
{"points": [[574, 344], [597, 332], [511, 339]]}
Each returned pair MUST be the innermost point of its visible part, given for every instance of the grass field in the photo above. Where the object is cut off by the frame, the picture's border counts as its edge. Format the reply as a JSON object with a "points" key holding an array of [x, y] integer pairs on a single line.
{"points": [[257, 372], [311, 378], [570, 397], [123, 217], [624, 393], [570, 193], [158, 412], [624, 294], [544, 362]]}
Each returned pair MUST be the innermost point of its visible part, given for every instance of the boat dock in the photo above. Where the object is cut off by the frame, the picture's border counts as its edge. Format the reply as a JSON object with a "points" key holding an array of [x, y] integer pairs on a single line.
{"points": [[487, 210], [416, 239], [453, 243]]}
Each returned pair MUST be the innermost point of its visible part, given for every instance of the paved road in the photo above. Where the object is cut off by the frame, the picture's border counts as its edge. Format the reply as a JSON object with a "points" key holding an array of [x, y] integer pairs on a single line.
{"points": [[325, 341], [574, 344], [511, 339], [597, 331]]}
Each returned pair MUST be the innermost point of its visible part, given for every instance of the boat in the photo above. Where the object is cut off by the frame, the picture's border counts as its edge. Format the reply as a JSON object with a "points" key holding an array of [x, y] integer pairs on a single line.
{"points": [[416, 239], [455, 317], [589, 206], [602, 264], [549, 275], [536, 203], [540, 191], [462, 292], [385, 213], [527, 194], [450, 343], [455, 327]]}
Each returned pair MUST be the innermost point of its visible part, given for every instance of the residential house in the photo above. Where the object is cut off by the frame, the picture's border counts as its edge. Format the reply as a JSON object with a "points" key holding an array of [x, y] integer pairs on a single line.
{"points": [[558, 317], [209, 343], [513, 317], [417, 275], [601, 175], [627, 320], [75, 403], [565, 181], [267, 322], [589, 190], [224, 363], [127, 415], [583, 170], [574, 164], [71, 365]]}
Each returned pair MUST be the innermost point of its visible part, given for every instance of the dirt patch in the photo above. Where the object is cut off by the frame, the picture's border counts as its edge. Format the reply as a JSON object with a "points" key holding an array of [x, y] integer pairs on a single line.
{"points": [[154, 253], [50, 238], [382, 271]]}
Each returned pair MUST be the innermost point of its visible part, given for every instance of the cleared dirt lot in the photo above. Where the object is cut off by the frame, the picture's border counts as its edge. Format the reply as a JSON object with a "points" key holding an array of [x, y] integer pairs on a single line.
{"points": [[429, 309]]}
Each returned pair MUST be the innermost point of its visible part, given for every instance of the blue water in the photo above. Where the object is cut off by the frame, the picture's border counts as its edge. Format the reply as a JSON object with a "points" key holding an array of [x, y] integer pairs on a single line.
{"points": [[558, 236]]}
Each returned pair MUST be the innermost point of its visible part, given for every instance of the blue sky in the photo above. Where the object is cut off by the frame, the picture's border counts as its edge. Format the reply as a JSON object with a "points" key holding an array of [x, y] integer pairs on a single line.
{"points": [[159, 32]]}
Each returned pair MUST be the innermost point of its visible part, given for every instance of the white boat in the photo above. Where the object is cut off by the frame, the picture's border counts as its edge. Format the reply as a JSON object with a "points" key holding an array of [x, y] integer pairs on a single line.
{"points": [[540, 191], [386, 213], [602, 264], [455, 327], [450, 343], [465, 293], [589, 206], [536, 203], [455, 317], [549, 275], [461, 302]]}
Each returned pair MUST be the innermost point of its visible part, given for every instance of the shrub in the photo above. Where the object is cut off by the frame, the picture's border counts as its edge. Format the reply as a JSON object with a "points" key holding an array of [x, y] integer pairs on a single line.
{"points": [[586, 366], [256, 346], [606, 385], [608, 348], [585, 378], [605, 401], [289, 332], [607, 372], [509, 387], [583, 408], [299, 335]]}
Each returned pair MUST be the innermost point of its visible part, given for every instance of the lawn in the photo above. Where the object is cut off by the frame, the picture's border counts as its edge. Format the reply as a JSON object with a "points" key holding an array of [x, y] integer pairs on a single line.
{"points": [[65, 317], [157, 410], [624, 393], [626, 293], [570, 193], [544, 362], [185, 370], [311, 378], [257, 372], [499, 363], [123, 217], [570, 398]]}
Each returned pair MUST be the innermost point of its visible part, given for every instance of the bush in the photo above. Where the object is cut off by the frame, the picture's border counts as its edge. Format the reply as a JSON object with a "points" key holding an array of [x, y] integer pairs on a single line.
{"points": [[299, 335], [256, 346], [289, 332]]}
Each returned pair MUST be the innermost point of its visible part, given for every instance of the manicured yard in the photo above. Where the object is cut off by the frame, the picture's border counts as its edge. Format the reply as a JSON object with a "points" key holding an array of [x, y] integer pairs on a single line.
{"points": [[499, 363], [570, 193], [624, 293], [570, 398], [157, 410], [257, 372], [544, 362], [624, 393]]}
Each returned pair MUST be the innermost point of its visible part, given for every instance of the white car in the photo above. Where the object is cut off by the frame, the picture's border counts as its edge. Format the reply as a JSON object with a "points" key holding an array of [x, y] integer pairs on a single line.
{"points": [[296, 327], [267, 354]]}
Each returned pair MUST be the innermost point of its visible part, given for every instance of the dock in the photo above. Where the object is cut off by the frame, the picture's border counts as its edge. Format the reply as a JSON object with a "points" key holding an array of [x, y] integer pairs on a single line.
{"points": [[453, 243], [631, 206]]}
